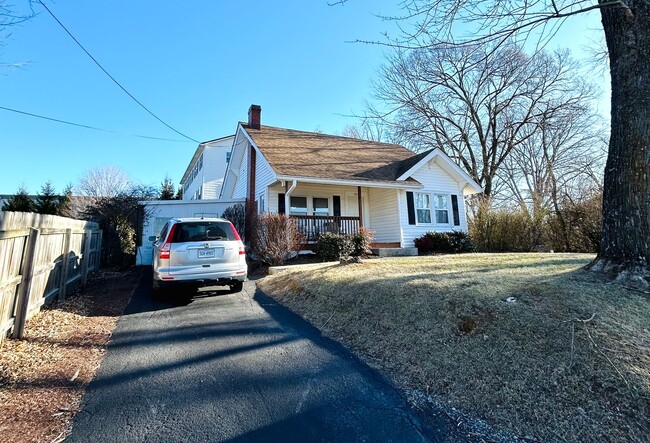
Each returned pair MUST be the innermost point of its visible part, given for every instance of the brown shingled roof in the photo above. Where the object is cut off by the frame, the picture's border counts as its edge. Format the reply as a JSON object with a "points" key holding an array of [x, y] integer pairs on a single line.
{"points": [[312, 154]]}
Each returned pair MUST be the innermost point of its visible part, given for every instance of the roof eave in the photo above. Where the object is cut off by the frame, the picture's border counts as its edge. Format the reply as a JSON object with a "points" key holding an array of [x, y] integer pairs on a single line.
{"points": [[351, 182]]}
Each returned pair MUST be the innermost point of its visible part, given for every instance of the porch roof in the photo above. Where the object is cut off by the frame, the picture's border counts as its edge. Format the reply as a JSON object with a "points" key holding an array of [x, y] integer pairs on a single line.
{"points": [[303, 154]]}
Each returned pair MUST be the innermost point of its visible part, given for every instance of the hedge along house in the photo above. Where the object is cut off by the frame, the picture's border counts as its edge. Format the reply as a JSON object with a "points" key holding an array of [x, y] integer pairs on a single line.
{"points": [[338, 184]]}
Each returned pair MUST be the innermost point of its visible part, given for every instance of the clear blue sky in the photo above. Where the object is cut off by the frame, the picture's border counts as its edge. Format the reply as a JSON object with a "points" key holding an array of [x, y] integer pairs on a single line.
{"points": [[197, 64]]}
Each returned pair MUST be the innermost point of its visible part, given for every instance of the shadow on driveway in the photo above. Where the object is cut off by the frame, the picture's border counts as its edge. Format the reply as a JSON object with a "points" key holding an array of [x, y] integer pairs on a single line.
{"points": [[238, 368]]}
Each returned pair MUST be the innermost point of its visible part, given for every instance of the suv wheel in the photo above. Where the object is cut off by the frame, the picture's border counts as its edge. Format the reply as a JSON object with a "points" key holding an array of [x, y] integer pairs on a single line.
{"points": [[158, 292], [236, 287]]}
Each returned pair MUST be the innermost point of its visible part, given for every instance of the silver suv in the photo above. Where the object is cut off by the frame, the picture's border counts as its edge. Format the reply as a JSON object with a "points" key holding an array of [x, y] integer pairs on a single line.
{"points": [[199, 252]]}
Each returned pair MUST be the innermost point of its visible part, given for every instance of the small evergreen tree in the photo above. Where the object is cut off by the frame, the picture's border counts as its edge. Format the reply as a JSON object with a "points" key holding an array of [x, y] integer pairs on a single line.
{"points": [[64, 208], [167, 191], [47, 202], [179, 193], [20, 202]]}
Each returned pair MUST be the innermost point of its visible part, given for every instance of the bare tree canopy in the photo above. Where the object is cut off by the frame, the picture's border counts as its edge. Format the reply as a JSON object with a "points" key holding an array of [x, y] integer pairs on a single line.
{"points": [[477, 104], [625, 239], [103, 181], [435, 23]]}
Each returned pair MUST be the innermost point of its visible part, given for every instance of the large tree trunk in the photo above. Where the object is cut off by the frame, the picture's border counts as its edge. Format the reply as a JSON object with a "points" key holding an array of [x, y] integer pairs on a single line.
{"points": [[625, 238]]}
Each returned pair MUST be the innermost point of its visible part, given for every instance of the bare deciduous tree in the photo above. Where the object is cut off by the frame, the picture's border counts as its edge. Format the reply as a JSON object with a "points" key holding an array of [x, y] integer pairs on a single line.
{"points": [[103, 181], [625, 239], [476, 104], [368, 129], [562, 160]]}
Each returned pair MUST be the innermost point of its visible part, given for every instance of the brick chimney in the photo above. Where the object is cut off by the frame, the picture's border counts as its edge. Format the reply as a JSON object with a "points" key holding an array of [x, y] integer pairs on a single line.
{"points": [[255, 116]]}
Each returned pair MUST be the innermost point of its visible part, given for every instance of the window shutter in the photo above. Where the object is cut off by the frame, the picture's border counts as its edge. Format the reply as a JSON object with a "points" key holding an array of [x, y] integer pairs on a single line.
{"points": [[336, 200], [454, 207], [410, 205], [281, 206]]}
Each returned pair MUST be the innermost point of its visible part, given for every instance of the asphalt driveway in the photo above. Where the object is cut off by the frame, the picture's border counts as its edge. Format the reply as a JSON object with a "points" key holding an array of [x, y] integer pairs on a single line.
{"points": [[234, 367]]}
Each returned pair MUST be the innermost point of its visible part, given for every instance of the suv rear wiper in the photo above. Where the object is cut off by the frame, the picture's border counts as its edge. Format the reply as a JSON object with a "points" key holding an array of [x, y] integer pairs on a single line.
{"points": [[215, 238]]}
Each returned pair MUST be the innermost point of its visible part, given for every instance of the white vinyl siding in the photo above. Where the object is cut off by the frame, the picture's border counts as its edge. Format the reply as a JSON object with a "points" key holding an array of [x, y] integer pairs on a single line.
{"points": [[241, 183], [384, 218], [436, 182], [210, 167], [264, 175]]}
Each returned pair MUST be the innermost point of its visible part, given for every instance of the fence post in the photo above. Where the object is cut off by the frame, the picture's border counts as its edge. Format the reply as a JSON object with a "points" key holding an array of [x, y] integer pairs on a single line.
{"points": [[24, 293], [85, 259], [65, 265]]}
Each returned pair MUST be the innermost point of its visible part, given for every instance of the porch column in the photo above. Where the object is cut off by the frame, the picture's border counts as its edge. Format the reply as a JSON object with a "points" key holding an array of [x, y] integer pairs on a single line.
{"points": [[360, 206]]}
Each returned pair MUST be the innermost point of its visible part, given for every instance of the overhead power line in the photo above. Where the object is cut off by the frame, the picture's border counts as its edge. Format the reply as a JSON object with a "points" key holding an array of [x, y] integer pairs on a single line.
{"points": [[111, 77], [87, 126]]}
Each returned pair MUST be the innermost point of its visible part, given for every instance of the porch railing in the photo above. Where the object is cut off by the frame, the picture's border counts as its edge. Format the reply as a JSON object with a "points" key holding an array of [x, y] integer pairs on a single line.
{"points": [[313, 226]]}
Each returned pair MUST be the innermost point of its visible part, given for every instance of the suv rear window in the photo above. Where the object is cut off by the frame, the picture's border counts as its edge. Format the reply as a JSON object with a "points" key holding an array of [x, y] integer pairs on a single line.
{"points": [[202, 231]]}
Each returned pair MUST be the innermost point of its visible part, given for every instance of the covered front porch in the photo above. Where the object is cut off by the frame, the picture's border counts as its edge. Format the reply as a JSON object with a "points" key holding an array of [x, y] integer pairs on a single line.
{"points": [[319, 208], [313, 226]]}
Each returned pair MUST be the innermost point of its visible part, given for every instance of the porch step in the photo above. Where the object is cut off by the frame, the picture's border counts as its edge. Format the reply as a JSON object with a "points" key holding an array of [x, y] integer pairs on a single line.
{"points": [[395, 252]]}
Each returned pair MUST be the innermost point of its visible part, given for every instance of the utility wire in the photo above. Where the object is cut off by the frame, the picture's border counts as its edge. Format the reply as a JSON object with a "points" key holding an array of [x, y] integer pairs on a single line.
{"points": [[111, 77], [87, 126]]}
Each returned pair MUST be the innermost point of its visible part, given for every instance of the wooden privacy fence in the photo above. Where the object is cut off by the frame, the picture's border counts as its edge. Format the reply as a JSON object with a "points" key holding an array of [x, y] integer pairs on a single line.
{"points": [[41, 258]]}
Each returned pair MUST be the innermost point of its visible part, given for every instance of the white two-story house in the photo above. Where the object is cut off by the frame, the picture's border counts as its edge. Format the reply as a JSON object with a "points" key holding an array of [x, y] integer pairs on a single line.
{"points": [[204, 175]]}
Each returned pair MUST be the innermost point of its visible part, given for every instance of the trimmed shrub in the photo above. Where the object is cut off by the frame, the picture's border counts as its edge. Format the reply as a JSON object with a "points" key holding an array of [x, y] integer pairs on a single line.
{"points": [[361, 242], [236, 215], [331, 246], [449, 242], [275, 237], [500, 230], [576, 226]]}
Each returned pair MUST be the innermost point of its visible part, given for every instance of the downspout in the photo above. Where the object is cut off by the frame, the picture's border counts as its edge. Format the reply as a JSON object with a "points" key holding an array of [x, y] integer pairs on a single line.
{"points": [[287, 196]]}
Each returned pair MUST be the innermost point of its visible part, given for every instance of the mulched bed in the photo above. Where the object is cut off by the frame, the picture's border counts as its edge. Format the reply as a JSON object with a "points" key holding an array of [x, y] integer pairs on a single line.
{"points": [[43, 377]]}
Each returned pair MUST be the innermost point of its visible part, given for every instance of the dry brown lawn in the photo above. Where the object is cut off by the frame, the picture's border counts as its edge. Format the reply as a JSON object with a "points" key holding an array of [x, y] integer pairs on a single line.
{"points": [[568, 360], [43, 377]]}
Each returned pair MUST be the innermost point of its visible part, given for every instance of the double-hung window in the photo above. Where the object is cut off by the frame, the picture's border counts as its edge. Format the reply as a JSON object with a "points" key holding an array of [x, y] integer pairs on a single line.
{"points": [[441, 205], [321, 206], [298, 206], [423, 207]]}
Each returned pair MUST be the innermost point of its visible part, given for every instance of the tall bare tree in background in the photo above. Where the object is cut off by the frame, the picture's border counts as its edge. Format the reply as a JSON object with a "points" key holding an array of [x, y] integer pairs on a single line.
{"points": [[103, 181], [9, 18], [369, 128], [477, 103], [559, 165], [109, 197], [625, 237]]}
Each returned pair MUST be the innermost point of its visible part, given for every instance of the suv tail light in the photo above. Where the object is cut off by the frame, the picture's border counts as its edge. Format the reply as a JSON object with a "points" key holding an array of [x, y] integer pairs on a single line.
{"points": [[166, 247], [235, 233], [242, 250]]}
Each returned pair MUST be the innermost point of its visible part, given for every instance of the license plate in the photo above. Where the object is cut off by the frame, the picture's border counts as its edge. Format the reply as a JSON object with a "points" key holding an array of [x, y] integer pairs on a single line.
{"points": [[206, 253]]}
